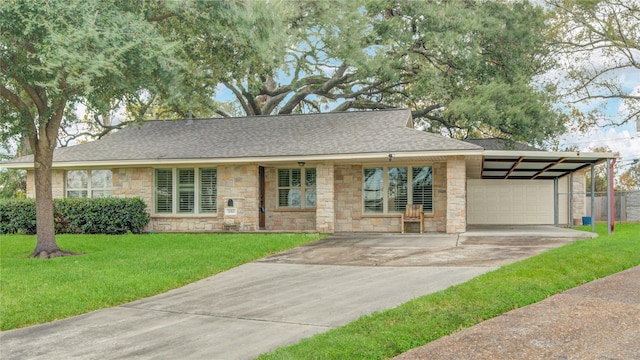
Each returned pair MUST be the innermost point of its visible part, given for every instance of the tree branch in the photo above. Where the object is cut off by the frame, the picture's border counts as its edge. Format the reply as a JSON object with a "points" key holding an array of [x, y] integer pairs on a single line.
{"points": [[16, 101], [238, 96]]}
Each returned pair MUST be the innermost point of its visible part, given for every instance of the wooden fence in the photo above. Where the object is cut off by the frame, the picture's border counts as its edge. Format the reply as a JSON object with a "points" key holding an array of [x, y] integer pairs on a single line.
{"points": [[626, 206]]}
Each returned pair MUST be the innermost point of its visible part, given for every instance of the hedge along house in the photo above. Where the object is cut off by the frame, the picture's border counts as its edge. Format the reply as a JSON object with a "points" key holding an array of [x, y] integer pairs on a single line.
{"points": [[332, 172]]}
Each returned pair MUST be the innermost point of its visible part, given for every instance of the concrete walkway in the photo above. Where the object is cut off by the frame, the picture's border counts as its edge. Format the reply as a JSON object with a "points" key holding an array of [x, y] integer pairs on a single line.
{"points": [[276, 301], [599, 320]]}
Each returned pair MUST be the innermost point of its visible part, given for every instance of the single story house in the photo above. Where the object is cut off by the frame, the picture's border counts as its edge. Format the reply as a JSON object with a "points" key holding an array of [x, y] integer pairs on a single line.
{"points": [[331, 172]]}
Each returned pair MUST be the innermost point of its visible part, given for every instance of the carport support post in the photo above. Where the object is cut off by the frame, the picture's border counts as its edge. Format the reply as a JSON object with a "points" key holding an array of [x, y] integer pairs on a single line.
{"points": [[593, 204], [610, 198], [609, 205], [555, 202], [571, 200]]}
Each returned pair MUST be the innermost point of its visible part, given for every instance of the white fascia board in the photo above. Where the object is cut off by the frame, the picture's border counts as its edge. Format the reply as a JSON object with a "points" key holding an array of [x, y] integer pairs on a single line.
{"points": [[383, 156], [24, 166]]}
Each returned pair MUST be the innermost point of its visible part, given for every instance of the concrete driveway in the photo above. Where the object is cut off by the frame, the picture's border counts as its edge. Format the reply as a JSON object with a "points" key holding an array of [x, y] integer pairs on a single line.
{"points": [[278, 300]]}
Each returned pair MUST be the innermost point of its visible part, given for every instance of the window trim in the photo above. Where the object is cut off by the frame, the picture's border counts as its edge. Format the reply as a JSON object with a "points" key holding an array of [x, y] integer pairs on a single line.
{"points": [[303, 189], [89, 189], [197, 187], [385, 188]]}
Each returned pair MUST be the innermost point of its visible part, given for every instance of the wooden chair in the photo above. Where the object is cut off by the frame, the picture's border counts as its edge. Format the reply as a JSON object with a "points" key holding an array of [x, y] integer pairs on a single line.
{"points": [[413, 214]]}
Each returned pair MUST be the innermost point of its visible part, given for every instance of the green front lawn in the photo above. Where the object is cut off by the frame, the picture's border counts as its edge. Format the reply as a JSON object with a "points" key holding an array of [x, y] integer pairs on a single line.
{"points": [[388, 333], [116, 269]]}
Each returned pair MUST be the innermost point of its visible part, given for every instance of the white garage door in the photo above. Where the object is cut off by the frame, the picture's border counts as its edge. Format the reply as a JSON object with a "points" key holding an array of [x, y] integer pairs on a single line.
{"points": [[509, 202]]}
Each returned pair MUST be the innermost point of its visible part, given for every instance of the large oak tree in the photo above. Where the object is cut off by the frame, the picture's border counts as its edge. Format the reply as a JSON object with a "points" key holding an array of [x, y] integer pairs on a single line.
{"points": [[55, 54], [465, 68]]}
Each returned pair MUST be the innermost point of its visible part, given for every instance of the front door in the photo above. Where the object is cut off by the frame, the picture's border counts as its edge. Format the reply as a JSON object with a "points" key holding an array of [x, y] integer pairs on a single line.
{"points": [[262, 209]]}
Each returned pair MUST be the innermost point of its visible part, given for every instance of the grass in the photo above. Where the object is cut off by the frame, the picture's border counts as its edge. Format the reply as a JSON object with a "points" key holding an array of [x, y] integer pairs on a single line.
{"points": [[117, 269], [388, 333]]}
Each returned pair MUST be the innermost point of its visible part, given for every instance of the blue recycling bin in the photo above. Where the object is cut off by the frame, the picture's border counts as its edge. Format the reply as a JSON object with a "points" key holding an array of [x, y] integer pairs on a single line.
{"points": [[586, 220]]}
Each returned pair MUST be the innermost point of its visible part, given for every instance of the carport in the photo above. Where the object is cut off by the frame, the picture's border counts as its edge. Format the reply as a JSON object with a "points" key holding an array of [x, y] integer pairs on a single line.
{"points": [[504, 170]]}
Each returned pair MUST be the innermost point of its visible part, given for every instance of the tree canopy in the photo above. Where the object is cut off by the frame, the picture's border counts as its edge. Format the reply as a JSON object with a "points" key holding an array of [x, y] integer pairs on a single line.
{"points": [[59, 53], [599, 47], [464, 68]]}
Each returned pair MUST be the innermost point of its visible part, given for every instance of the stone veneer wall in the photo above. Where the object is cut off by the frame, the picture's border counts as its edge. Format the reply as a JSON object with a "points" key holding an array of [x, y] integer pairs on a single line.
{"points": [[236, 182], [57, 184], [438, 221], [240, 184], [348, 203], [134, 182], [284, 219], [31, 184], [348, 197], [580, 196], [340, 201], [456, 195], [325, 204]]}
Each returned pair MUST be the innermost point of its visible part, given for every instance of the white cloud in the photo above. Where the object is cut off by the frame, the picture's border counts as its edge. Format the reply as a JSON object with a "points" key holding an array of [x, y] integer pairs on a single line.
{"points": [[624, 140]]}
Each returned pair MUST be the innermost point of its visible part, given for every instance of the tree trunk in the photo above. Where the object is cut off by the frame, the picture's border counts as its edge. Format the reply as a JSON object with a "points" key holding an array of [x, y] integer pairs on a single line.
{"points": [[46, 246]]}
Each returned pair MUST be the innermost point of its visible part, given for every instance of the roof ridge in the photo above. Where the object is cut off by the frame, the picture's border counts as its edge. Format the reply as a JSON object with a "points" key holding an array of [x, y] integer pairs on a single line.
{"points": [[262, 116]]}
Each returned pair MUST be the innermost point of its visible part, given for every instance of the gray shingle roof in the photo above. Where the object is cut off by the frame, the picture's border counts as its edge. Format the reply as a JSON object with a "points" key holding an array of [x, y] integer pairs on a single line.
{"points": [[501, 144], [262, 136]]}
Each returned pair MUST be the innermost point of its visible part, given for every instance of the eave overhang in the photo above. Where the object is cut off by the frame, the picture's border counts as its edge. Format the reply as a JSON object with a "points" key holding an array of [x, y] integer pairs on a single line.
{"points": [[337, 158]]}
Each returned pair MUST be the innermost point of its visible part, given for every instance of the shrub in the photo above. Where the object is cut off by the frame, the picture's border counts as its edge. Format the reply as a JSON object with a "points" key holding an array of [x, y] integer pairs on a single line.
{"points": [[17, 216], [79, 216]]}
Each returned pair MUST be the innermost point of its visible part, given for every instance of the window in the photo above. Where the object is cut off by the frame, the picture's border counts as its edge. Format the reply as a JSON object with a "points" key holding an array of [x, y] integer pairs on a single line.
{"points": [[387, 189], [373, 196], [422, 187], [164, 190], [191, 194], [186, 190], [208, 191], [293, 192], [397, 189], [88, 183]]}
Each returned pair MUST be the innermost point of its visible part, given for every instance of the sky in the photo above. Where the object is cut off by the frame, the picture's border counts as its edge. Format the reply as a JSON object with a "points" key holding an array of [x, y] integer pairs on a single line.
{"points": [[625, 138]]}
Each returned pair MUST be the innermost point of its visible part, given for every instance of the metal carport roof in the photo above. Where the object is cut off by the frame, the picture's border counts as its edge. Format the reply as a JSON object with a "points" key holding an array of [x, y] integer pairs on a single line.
{"points": [[526, 165]]}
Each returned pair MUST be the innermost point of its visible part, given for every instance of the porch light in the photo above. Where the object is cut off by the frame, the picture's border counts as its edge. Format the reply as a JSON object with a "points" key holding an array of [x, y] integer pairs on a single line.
{"points": [[301, 163], [390, 157]]}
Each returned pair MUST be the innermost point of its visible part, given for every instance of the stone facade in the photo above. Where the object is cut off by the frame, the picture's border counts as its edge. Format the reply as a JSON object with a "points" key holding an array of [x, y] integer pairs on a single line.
{"points": [[579, 197], [134, 182], [281, 219], [437, 222], [325, 201], [339, 205], [348, 204], [456, 195], [349, 207], [183, 224], [57, 184], [240, 184]]}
